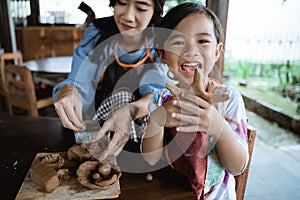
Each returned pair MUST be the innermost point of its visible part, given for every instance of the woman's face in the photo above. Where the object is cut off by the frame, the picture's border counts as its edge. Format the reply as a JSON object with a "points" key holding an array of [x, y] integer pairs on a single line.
{"points": [[192, 44], [133, 16]]}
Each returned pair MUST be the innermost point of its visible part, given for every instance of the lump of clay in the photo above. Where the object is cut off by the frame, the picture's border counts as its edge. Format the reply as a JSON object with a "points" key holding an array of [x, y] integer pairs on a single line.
{"points": [[199, 90], [96, 175], [78, 152], [89, 151], [53, 160], [64, 174], [44, 176]]}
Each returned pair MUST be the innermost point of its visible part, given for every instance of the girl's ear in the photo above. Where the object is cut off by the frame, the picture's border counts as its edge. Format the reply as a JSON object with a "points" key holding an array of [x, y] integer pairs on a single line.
{"points": [[218, 51], [161, 55]]}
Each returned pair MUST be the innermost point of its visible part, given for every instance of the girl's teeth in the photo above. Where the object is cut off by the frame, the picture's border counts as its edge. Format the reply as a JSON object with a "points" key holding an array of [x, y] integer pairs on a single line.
{"points": [[191, 64]]}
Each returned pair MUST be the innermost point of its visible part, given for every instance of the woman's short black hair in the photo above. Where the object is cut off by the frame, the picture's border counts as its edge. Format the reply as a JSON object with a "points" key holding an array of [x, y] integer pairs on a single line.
{"points": [[158, 10], [178, 13]]}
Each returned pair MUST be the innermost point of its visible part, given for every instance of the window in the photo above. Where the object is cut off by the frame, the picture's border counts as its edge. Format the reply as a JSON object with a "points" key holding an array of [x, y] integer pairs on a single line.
{"points": [[67, 12]]}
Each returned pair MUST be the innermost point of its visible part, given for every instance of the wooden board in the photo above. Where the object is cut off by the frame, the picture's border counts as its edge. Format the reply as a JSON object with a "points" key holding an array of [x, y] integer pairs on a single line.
{"points": [[68, 189]]}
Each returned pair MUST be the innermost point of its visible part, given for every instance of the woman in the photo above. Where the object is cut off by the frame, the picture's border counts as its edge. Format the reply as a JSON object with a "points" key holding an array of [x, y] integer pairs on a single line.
{"points": [[98, 56]]}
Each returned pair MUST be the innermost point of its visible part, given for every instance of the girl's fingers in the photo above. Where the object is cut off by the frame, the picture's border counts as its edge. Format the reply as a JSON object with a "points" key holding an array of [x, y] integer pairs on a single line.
{"points": [[196, 100], [189, 120], [188, 108]]}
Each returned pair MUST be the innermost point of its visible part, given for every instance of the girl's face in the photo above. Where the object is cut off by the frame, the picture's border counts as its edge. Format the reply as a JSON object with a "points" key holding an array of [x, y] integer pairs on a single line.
{"points": [[192, 44], [133, 16]]}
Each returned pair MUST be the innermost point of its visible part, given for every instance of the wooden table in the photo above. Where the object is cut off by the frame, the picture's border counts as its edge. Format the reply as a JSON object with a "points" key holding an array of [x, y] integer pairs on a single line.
{"points": [[21, 138], [60, 64], [50, 70]]}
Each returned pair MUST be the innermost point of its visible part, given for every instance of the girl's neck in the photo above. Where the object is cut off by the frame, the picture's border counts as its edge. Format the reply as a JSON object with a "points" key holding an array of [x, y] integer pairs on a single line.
{"points": [[131, 44]]}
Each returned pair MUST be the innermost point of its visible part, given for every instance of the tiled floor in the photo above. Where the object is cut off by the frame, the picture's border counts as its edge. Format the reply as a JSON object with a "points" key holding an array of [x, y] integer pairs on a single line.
{"points": [[275, 169]]}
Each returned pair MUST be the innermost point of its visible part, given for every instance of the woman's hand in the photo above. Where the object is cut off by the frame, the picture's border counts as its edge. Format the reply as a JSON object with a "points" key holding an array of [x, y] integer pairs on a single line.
{"points": [[120, 123], [68, 107]]}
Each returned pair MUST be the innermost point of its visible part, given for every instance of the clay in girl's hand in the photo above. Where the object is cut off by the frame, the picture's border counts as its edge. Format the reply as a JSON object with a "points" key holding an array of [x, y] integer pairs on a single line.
{"points": [[199, 90]]}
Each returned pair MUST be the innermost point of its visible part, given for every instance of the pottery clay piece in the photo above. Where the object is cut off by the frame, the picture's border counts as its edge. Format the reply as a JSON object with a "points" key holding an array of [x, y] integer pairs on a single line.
{"points": [[47, 172], [53, 160], [78, 152], [149, 177], [44, 176], [199, 90], [96, 175], [63, 174]]}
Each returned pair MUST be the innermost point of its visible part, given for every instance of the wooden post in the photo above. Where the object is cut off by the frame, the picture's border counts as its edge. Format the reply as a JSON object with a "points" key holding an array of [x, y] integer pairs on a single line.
{"points": [[5, 37], [220, 8]]}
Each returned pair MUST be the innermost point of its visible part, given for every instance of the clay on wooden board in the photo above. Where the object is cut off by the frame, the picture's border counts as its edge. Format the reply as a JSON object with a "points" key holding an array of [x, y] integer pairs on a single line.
{"points": [[46, 172]]}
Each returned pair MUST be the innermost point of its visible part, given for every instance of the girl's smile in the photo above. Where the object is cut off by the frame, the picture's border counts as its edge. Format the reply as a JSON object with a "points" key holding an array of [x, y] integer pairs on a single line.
{"points": [[189, 67]]}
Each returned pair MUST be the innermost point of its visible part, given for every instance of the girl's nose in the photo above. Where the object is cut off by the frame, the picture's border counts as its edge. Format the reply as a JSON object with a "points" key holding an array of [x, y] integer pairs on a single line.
{"points": [[191, 50]]}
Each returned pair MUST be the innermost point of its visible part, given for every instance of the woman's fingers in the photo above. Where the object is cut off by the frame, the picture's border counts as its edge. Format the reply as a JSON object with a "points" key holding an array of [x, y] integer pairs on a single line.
{"points": [[68, 118], [69, 108], [115, 146], [107, 126]]}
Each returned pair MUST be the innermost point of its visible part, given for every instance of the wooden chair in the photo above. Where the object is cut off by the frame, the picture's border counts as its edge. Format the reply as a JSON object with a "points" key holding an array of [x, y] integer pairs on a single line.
{"points": [[21, 93], [3, 95], [11, 56], [241, 180]]}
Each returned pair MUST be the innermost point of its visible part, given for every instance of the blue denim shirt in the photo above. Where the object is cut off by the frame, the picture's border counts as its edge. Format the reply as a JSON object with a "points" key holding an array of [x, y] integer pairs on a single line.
{"points": [[85, 74]]}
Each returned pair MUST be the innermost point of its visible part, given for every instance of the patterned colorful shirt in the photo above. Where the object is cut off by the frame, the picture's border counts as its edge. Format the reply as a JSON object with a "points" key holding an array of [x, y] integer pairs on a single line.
{"points": [[219, 184]]}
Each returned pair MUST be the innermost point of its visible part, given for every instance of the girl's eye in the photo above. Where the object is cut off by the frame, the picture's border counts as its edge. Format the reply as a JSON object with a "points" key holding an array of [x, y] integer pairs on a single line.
{"points": [[178, 43], [203, 41]]}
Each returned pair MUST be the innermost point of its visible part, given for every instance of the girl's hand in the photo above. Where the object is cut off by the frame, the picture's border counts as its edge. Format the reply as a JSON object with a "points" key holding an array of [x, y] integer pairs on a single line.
{"points": [[163, 115], [197, 115]]}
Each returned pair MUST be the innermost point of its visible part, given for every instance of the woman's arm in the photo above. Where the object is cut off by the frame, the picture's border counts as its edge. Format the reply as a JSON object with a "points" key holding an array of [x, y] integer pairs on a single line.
{"points": [[72, 96]]}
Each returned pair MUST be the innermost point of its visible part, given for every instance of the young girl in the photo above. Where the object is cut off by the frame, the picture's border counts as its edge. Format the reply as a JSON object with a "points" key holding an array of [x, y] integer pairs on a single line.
{"points": [[101, 56], [192, 43]]}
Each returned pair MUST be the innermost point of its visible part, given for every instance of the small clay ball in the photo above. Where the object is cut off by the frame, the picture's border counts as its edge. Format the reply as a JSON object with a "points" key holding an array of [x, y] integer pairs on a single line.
{"points": [[104, 170], [149, 177], [66, 177], [96, 176]]}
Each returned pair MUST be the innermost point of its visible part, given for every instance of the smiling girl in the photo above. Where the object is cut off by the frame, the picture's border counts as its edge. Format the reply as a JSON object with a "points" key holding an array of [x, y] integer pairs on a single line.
{"points": [[214, 132]]}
